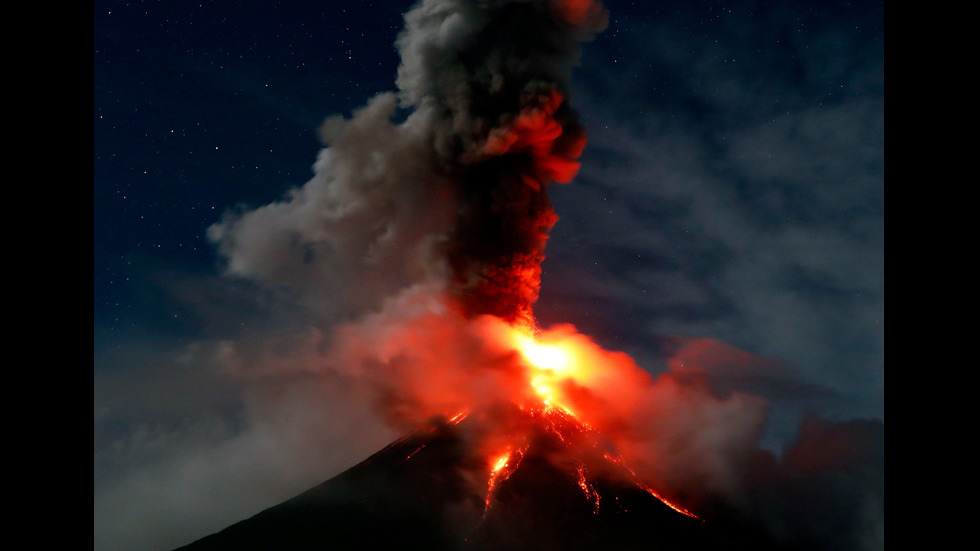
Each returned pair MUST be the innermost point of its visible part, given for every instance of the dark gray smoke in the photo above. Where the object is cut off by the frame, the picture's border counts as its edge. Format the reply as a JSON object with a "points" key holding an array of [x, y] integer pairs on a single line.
{"points": [[458, 191]]}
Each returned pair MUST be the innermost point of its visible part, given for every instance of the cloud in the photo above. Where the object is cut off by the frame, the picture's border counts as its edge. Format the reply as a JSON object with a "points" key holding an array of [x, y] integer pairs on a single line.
{"points": [[828, 491], [728, 199], [353, 234], [174, 463]]}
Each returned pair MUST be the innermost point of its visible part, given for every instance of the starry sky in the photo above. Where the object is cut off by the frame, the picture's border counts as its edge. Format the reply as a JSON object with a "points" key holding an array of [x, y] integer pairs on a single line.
{"points": [[732, 190]]}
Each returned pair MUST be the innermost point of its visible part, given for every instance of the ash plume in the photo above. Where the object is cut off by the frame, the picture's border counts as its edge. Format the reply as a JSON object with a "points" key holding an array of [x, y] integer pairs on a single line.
{"points": [[493, 83], [421, 240], [458, 191], [421, 235]]}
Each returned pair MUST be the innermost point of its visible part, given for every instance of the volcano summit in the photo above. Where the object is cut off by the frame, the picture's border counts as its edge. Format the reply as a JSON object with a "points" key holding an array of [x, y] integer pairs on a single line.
{"points": [[560, 491]]}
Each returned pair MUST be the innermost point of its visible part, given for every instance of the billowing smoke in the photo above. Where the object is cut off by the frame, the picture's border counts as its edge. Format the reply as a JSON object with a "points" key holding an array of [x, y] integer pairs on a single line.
{"points": [[425, 237], [492, 81], [458, 191], [421, 238]]}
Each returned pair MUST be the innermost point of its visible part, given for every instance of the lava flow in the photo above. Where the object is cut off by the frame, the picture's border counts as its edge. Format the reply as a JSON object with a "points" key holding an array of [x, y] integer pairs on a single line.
{"points": [[506, 464], [556, 366]]}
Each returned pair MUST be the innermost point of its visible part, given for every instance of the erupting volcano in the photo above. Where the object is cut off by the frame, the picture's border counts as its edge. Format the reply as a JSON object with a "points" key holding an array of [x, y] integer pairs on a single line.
{"points": [[555, 369], [555, 490], [531, 438]]}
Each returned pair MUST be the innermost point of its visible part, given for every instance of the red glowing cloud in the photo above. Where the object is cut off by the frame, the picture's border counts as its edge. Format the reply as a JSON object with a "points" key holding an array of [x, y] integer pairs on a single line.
{"points": [[422, 358], [448, 217]]}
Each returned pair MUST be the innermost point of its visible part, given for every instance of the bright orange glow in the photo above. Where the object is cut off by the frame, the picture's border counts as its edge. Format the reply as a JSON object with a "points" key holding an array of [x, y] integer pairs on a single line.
{"points": [[568, 392], [636, 480], [551, 361], [677, 508], [455, 419], [501, 470], [495, 477], [546, 356], [501, 462], [590, 492], [558, 360], [550, 364]]}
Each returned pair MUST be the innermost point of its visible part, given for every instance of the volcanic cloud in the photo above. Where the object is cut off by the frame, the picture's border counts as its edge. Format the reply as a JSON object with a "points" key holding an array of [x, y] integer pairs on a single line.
{"points": [[422, 234]]}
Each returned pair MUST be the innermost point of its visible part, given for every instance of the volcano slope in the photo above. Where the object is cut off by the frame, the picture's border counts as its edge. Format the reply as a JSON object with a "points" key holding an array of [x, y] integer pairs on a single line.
{"points": [[432, 490]]}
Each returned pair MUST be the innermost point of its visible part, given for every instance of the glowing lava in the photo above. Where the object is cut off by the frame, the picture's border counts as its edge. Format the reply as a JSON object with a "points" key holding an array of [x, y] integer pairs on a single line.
{"points": [[636, 480], [502, 468], [557, 362], [590, 491], [550, 364]]}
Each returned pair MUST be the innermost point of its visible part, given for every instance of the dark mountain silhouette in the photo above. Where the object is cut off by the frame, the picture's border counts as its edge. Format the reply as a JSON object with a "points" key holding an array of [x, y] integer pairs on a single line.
{"points": [[429, 491]]}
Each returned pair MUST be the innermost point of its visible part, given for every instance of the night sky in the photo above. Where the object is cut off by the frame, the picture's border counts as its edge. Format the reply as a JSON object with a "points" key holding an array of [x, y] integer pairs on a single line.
{"points": [[732, 190]]}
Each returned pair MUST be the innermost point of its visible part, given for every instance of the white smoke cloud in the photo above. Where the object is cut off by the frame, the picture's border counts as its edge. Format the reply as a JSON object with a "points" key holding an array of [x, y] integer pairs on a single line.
{"points": [[369, 223]]}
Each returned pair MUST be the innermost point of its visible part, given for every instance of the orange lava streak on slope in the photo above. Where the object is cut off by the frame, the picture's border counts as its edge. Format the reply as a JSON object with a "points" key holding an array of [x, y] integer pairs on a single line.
{"points": [[415, 452], [556, 362], [502, 468], [636, 480], [590, 491]]}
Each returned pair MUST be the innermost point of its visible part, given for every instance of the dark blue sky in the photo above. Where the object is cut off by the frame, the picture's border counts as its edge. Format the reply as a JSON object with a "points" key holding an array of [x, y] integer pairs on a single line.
{"points": [[197, 110], [732, 189]]}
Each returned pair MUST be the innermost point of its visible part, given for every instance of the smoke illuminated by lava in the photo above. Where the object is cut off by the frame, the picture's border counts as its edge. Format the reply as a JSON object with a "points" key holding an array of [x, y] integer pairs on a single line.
{"points": [[436, 227]]}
